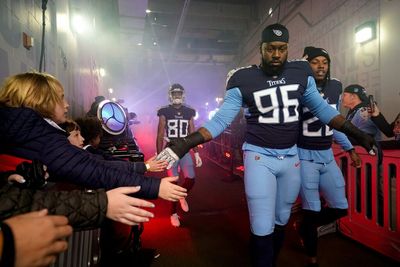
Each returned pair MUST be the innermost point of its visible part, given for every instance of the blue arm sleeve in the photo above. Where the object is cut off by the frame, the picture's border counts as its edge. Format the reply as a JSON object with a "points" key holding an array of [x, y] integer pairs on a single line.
{"points": [[342, 140], [316, 104], [227, 112]]}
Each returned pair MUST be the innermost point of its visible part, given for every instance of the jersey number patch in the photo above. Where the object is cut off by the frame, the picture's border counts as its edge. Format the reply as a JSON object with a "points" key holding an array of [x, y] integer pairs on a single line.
{"points": [[177, 128], [321, 132], [287, 104]]}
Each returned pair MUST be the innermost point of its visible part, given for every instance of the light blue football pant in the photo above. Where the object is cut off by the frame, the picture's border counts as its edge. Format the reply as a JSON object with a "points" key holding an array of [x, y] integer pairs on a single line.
{"points": [[185, 164], [272, 186], [326, 180]]}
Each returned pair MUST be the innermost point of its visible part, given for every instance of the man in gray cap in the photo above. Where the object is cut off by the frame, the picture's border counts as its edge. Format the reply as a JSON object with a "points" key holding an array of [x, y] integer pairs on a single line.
{"points": [[273, 92], [355, 98]]}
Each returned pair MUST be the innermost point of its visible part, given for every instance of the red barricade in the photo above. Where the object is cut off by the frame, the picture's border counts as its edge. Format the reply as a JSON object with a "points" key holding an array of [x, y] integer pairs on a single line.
{"points": [[373, 194]]}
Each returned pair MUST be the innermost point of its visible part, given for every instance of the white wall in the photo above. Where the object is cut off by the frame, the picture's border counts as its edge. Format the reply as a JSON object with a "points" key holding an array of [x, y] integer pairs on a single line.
{"points": [[331, 25], [73, 63]]}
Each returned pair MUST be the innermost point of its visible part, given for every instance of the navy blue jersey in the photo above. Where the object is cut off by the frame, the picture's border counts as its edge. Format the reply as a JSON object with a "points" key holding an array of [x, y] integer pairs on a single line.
{"points": [[177, 120], [314, 134], [273, 102]]}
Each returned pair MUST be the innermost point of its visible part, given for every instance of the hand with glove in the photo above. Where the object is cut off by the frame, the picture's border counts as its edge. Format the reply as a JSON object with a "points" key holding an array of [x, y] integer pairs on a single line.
{"points": [[177, 148], [198, 160], [341, 124]]}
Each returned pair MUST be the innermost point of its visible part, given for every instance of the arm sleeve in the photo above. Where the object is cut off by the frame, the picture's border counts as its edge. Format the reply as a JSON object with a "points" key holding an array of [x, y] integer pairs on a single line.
{"points": [[381, 122], [342, 140], [227, 112], [316, 104]]}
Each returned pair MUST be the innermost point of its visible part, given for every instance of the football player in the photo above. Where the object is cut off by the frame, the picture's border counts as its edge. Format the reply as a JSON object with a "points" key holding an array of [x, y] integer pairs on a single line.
{"points": [[320, 175], [176, 120], [273, 92]]}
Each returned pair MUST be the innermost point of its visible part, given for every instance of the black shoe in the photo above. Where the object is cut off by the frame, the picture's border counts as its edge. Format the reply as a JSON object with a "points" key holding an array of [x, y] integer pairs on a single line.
{"points": [[298, 226]]}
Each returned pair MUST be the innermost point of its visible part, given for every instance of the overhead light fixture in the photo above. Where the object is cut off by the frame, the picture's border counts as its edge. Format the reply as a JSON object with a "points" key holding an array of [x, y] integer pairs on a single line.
{"points": [[139, 44], [365, 32], [148, 11], [270, 11], [110, 90], [102, 72], [80, 24]]}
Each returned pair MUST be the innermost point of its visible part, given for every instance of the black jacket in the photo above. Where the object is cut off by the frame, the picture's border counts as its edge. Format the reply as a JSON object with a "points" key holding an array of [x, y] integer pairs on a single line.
{"points": [[84, 208], [24, 133]]}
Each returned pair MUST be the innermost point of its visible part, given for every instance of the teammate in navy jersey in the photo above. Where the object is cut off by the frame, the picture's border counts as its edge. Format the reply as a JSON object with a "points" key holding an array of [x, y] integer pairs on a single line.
{"points": [[176, 120], [320, 176], [273, 92]]}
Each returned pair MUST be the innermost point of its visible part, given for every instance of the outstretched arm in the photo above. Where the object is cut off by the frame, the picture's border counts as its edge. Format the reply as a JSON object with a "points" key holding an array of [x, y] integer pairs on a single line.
{"points": [[330, 116]]}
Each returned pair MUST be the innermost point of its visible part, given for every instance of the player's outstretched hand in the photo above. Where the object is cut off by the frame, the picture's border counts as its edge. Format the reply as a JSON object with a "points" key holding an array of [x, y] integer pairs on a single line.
{"points": [[169, 156], [198, 160]]}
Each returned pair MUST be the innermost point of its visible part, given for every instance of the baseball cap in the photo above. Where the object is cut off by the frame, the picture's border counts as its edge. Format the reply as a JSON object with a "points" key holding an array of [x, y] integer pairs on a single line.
{"points": [[358, 90]]}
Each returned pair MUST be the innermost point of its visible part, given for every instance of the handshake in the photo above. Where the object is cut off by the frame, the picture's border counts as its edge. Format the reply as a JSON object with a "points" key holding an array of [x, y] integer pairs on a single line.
{"points": [[177, 148]]}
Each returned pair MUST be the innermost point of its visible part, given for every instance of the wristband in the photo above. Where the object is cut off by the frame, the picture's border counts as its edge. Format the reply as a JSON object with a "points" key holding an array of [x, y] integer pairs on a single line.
{"points": [[147, 166]]}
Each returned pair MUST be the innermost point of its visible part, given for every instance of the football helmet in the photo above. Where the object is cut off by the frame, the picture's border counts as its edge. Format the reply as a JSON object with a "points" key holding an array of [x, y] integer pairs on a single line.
{"points": [[176, 94]]}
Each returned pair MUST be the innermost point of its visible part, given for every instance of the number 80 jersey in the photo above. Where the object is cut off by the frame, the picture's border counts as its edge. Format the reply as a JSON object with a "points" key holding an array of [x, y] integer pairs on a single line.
{"points": [[273, 102], [177, 120]]}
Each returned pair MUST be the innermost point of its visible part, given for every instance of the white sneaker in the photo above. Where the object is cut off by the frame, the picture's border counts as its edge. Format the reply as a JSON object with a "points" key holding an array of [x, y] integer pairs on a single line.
{"points": [[184, 204], [175, 220]]}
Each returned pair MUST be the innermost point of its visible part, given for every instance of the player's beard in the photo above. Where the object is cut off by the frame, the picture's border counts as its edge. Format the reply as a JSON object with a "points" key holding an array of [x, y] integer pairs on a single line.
{"points": [[271, 70]]}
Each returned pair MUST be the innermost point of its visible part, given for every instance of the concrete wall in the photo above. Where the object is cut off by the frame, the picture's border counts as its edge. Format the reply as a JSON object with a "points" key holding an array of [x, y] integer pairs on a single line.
{"points": [[73, 63], [331, 25]]}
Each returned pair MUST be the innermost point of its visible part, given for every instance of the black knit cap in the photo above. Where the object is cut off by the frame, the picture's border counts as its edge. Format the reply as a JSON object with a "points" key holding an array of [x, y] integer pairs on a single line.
{"points": [[358, 90], [313, 52], [275, 33]]}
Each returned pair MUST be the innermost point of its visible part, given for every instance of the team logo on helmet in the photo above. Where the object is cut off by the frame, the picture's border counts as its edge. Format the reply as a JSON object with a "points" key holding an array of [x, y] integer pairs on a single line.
{"points": [[277, 32]]}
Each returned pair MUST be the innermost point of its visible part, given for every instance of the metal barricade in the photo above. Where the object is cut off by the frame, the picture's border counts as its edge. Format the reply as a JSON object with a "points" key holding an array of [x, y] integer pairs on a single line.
{"points": [[374, 201], [83, 250]]}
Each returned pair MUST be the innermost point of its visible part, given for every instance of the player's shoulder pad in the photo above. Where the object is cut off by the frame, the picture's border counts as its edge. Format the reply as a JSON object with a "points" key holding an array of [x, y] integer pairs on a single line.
{"points": [[336, 80], [236, 70], [188, 106], [298, 60], [300, 64], [162, 107]]}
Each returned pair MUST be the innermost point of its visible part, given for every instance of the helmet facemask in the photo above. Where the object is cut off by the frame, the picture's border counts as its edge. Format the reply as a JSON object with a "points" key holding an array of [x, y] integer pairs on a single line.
{"points": [[176, 96]]}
